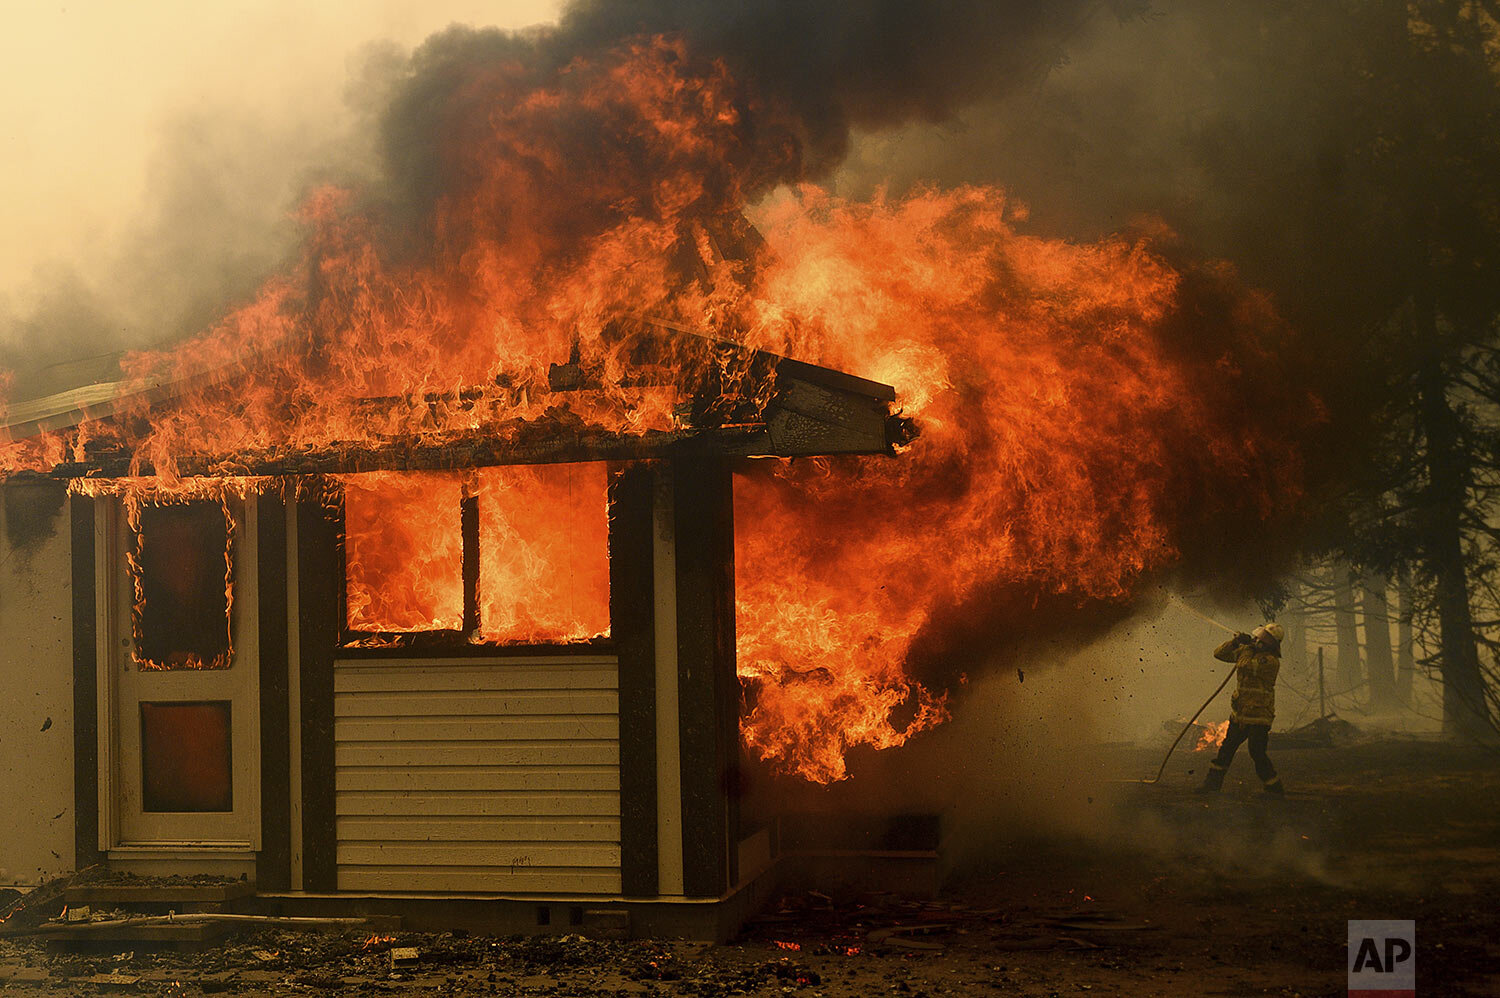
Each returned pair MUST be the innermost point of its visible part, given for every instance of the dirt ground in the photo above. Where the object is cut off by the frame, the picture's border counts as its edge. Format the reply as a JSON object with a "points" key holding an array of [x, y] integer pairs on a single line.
{"points": [[1173, 894]]}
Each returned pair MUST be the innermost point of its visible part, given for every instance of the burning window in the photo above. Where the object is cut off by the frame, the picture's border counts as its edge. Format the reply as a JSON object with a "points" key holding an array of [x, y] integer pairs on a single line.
{"points": [[182, 569], [517, 555], [543, 553], [403, 553]]}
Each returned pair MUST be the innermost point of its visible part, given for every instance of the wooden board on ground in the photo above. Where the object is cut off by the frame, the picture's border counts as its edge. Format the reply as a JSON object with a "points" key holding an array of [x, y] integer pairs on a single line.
{"points": [[181, 936]]}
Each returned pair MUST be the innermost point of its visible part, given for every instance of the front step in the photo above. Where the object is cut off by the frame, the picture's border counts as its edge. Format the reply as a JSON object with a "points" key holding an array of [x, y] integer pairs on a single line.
{"points": [[160, 897]]}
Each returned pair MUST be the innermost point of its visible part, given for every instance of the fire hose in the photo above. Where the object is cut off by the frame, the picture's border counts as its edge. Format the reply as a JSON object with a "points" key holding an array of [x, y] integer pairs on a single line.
{"points": [[1212, 697], [1185, 727]]}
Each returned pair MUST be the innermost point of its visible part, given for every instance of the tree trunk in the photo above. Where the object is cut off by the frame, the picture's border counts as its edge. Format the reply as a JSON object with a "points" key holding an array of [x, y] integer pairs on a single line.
{"points": [[1406, 658], [1465, 711], [1346, 670], [1379, 660], [1294, 619]]}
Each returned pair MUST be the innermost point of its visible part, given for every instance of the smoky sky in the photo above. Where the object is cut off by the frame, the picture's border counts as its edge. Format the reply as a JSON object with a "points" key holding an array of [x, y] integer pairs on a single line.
{"points": [[215, 223]]}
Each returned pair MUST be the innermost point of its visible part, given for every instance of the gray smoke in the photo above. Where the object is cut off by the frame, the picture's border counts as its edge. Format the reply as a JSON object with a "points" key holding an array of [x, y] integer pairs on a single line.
{"points": [[222, 187]]}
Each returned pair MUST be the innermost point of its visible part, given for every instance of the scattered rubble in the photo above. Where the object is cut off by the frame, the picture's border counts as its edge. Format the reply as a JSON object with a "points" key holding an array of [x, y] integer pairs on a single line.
{"points": [[454, 963]]}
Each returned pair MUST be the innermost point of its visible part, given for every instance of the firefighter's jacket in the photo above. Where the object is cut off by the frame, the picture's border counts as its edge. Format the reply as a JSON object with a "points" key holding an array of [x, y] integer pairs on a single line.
{"points": [[1254, 699]]}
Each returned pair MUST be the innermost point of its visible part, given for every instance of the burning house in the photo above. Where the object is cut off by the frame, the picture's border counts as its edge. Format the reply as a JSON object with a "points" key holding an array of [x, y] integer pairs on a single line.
{"points": [[441, 565], [499, 661]]}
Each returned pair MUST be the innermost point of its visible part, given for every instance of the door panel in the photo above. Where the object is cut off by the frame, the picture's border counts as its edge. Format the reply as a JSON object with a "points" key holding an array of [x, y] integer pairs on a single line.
{"points": [[185, 693]]}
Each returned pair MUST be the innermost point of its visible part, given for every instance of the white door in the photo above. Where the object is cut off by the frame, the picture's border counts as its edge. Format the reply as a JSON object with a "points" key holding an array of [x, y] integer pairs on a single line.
{"points": [[182, 770]]}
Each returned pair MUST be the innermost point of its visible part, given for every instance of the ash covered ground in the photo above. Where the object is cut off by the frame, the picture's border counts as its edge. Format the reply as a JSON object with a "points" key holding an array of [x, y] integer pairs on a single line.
{"points": [[1233, 895]]}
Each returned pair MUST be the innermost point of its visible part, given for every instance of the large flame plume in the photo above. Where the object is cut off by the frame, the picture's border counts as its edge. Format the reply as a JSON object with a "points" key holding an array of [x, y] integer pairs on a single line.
{"points": [[1064, 443], [1082, 409]]}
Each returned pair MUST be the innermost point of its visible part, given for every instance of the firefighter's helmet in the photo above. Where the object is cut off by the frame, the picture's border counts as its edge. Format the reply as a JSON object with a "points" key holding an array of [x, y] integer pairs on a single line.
{"points": [[1273, 630]]}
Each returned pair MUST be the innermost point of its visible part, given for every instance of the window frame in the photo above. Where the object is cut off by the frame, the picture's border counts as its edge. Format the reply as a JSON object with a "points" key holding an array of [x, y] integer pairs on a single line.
{"points": [[135, 573], [356, 644]]}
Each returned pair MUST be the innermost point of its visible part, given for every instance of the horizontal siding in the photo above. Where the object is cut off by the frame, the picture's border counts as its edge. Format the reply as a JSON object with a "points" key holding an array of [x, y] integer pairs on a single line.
{"points": [[446, 703], [456, 753], [492, 803], [478, 880], [509, 856], [469, 676], [461, 828], [478, 775], [479, 778], [471, 728]]}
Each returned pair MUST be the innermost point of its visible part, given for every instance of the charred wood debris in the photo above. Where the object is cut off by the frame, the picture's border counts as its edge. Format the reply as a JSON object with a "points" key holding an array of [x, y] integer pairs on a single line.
{"points": [[777, 952]]}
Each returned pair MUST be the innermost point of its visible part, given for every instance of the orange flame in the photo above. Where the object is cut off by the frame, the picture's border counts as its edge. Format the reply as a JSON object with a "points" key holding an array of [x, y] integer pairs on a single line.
{"points": [[535, 255], [1062, 444], [1212, 737], [403, 552], [544, 553]]}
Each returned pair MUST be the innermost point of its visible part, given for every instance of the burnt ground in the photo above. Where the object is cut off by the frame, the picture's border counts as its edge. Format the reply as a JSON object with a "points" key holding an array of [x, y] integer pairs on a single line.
{"points": [[1169, 894]]}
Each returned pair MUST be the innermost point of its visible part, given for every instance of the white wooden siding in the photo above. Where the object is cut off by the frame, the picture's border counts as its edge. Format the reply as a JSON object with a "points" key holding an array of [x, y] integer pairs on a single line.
{"points": [[478, 775]]}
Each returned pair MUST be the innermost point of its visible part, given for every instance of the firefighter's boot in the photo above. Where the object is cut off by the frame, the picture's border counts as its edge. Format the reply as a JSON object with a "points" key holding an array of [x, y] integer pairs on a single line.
{"points": [[1213, 782], [1275, 788]]}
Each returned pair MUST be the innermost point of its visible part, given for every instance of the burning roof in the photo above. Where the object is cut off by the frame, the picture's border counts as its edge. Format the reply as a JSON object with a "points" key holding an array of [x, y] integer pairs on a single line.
{"points": [[735, 402]]}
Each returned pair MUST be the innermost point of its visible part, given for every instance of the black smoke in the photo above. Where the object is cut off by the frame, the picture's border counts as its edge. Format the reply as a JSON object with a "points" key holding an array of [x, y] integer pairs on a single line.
{"points": [[817, 72], [866, 64]]}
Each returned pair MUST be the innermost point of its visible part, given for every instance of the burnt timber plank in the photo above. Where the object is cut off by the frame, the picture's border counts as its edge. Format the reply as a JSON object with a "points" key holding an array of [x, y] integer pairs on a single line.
{"points": [[273, 865], [90, 936], [85, 686], [808, 418], [320, 573], [632, 613], [787, 368], [708, 689], [486, 450]]}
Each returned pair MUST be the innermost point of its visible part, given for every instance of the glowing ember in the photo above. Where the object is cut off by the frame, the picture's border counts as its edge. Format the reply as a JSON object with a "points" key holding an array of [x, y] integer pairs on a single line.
{"points": [[543, 553], [403, 552]]}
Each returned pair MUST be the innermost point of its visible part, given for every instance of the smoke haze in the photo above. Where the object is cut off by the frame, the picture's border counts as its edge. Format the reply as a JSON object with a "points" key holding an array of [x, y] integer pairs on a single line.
{"points": [[155, 154]]}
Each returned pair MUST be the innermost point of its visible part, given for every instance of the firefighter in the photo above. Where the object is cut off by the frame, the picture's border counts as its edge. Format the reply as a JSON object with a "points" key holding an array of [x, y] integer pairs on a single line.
{"points": [[1257, 660]]}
